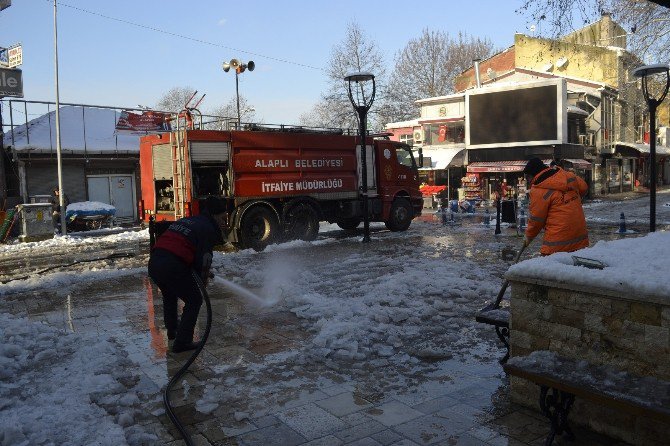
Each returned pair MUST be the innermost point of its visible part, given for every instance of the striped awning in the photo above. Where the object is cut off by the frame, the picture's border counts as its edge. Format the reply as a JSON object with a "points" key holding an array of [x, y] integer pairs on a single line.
{"points": [[499, 166]]}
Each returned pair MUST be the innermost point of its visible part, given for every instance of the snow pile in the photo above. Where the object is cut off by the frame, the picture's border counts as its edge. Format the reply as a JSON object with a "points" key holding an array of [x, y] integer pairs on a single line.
{"points": [[71, 242], [62, 388], [635, 266], [62, 280], [368, 304]]}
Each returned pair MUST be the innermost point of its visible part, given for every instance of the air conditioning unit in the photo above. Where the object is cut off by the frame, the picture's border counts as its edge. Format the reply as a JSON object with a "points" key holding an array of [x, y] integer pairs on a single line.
{"points": [[418, 136]]}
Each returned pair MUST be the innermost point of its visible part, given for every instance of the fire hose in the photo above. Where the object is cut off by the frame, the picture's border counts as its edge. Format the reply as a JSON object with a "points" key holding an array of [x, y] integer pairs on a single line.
{"points": [[166, 393]]}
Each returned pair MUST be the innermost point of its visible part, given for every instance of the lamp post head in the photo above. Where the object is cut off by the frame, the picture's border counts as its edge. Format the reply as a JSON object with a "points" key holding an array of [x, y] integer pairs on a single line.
{"points": [[359, 77], [648, 70], [645, 72], [359, 97]]}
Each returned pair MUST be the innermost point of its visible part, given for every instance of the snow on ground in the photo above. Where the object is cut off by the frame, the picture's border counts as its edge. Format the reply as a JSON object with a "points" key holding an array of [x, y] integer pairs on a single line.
{"points": [[387, 312], [74, 241], [642, 270], [65, 279], [399, 304], [636, 210], [63, 388]]}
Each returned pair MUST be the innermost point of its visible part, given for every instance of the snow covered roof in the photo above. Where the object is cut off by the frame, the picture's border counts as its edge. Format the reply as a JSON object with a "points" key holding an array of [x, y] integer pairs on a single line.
{"points": [[636, 269], [577, 111], [402, 124], [83, 130], [644, 148]]}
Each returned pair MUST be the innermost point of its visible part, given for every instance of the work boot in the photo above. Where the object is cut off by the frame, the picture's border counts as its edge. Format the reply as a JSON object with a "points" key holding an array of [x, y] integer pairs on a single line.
{"points": [[179, 347], [172, 332]]}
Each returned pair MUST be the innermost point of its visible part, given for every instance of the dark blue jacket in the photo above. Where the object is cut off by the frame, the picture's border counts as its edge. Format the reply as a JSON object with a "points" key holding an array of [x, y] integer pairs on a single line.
{"points": [[192, 239]]}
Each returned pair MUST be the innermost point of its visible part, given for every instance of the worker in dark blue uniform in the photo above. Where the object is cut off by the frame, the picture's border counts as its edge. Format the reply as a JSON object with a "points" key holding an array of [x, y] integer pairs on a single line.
{"points": [[186, 246]]}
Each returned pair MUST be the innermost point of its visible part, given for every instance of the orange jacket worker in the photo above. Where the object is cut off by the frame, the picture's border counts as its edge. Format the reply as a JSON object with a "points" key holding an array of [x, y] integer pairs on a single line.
{"points": [[556, 205]]}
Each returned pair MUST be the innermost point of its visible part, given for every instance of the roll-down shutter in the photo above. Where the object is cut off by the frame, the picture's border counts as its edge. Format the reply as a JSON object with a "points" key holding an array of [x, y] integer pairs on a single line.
{"points": [[209, 151], [162, 156]]}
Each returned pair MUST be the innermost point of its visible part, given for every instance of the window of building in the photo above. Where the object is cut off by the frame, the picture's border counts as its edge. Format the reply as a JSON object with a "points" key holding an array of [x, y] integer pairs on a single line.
{"points": [[444, 133], [407, 139]]}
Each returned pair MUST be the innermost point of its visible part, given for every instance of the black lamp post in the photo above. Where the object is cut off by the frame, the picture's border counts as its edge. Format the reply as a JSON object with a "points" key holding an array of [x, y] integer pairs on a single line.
{"points": [[362, 98], [645, 72], [239, 69]]}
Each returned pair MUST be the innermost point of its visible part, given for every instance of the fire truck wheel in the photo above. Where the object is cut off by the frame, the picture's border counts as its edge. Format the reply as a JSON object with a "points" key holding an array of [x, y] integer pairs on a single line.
{"points": [[304, 223], [349, 224], [400, 216], [258, 228]]}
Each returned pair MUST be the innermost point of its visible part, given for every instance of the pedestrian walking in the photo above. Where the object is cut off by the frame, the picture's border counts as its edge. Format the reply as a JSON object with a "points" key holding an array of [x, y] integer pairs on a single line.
{"points": [[186, 246], [555, 206], [56, 209]]}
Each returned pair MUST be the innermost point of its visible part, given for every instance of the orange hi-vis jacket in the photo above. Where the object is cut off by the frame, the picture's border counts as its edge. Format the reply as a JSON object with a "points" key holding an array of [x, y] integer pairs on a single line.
{"points": [[556, 206]]}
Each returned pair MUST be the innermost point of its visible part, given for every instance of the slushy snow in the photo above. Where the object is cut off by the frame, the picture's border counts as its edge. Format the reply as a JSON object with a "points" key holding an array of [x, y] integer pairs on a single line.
{"points": [[60, 388]]}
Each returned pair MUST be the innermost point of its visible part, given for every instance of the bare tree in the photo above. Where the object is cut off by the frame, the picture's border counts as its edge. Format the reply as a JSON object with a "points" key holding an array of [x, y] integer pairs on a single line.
{"points": [[427, 67], [647, 23], [175, 99], [356, 53], [229, 110]]}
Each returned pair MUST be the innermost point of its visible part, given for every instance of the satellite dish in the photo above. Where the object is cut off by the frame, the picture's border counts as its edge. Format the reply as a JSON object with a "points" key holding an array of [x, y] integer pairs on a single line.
{"points": [[226, 67], [563, 61], [251, 65], [548, 67], [491, 73]]}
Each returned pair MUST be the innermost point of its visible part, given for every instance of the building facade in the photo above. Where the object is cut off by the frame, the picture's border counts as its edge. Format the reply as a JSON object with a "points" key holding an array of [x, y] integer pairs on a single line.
{"points": [[604, 116]]}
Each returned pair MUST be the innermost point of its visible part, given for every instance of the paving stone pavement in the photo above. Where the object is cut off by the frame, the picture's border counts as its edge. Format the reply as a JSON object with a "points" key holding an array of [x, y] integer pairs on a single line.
{"points": [[459, 400]]}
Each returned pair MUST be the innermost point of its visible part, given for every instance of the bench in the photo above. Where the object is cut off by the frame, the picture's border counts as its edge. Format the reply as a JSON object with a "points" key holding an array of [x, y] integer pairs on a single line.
{"points": [[498, 316], [605, 385]]}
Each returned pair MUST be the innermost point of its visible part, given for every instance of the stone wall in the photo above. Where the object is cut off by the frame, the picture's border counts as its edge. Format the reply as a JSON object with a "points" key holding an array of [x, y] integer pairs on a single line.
{"points": [[631, 333]]}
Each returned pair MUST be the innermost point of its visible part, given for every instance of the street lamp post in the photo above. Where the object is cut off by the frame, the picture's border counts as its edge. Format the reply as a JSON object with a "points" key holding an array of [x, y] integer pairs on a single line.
{"points": [[59, 161], [239, 69], [645, 72], [362, 98]]}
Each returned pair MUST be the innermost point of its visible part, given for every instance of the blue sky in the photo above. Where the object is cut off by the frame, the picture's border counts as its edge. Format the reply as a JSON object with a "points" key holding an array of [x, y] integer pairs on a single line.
{"points": [[106, 62]]}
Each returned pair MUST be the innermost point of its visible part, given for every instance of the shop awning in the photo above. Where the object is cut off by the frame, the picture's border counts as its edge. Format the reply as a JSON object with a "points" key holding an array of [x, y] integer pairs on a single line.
{"points": [[443, 158], [644, 148], [579, 163]]}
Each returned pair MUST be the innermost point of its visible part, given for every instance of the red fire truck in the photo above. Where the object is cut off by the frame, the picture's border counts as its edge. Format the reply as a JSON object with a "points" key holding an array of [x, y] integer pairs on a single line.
{"points": [[277, 185]]}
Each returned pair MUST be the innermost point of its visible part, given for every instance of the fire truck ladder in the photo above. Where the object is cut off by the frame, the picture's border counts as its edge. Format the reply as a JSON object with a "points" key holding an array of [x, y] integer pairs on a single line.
{"points": [[178, 171]]}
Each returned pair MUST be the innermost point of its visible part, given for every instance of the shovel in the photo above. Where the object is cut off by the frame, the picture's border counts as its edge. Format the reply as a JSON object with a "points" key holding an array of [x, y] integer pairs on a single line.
{"points": [[506, 284]]}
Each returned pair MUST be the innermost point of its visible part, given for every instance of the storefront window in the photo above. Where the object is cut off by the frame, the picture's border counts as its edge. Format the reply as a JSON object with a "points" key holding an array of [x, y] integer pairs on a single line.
{"points": [[444, 133], [627, 173], [613, 172]]}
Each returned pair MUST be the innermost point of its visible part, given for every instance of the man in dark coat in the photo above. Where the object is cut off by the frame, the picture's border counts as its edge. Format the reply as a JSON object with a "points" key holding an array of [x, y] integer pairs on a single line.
{"points": [[56, 209], [184, 247]]}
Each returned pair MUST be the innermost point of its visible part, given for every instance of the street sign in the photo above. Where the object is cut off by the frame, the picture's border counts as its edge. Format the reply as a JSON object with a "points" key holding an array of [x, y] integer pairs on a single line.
{"points": [[14, 56], [4, 57], [11, 83]]}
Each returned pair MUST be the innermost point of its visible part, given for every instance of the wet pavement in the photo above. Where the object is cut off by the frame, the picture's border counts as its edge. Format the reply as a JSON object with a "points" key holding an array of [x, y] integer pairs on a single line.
{"points": [[275, 376]]}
